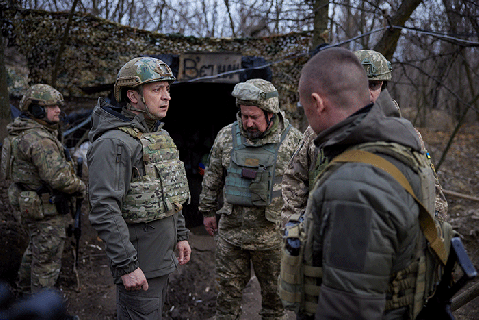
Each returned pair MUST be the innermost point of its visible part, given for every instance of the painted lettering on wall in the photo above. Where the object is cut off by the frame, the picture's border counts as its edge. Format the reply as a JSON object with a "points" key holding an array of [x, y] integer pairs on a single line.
{"points": [[209, 67]]}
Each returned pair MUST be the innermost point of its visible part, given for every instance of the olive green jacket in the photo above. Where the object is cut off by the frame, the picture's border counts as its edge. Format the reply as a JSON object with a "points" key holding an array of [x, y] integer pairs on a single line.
{"points": [[112, 158], [365, 225]]}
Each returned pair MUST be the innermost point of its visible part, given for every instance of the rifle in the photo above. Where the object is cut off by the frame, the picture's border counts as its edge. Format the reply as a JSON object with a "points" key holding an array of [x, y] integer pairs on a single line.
{"points": [[77, 223], [438, 307]]}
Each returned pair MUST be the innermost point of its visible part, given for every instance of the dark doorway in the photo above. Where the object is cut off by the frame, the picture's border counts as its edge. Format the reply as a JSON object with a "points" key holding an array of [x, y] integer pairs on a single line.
{"points": [[197, 112]]}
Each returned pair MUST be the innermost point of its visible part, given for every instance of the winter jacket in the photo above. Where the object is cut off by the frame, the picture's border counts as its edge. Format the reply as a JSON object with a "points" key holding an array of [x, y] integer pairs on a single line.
{"points": [[364, 224], [113, 158]]}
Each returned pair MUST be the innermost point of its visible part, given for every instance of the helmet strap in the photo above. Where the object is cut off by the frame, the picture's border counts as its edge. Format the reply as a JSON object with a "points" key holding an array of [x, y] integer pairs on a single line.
{"points": [[268, 121], [145, 110]]}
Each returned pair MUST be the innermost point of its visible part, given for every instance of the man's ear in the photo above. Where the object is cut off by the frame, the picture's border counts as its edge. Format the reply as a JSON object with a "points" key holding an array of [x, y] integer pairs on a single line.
{"points": [[132, 95], [270, 115], [318, 103]]}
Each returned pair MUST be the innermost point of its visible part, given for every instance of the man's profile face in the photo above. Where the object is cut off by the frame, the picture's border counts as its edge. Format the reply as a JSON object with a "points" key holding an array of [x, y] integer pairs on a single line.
{"points": [[375, 89], [254, 121], [53, 113]]}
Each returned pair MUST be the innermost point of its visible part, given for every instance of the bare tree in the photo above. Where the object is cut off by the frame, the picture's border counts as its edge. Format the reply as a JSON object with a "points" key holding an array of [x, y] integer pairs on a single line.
{"points": [[388, 42], [320, 25], [4, 98], [63, 44]]}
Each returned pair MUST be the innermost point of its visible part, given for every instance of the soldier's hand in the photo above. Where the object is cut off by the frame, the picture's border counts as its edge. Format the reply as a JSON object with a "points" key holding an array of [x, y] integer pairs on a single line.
{"points": [[135, 280], [82, 192], [210, 225], [184, 252]]}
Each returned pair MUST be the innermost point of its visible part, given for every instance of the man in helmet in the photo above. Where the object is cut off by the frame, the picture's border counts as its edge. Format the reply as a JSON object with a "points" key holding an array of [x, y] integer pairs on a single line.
{"points": [[247, 161], [35, 161], [378, 70], [137, 187]]}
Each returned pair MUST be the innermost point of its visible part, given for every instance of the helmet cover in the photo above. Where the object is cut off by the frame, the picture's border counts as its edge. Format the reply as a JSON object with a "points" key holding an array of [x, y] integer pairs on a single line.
{"points": [[41, 94], [139, 71], [257, 92], [376, 65]]}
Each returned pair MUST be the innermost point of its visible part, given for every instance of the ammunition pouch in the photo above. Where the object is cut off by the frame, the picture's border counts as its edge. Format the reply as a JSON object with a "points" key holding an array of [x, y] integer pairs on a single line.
{"points": [[31, 205], [41, 203]]}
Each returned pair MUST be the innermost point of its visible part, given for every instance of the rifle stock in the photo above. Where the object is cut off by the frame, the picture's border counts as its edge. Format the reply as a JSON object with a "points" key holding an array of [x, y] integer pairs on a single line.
{"points": [[77, 218], [438, 307]]}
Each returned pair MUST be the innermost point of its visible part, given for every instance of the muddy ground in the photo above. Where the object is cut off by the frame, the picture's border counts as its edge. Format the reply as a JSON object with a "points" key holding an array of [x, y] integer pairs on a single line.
{"points": [[192, 288]]}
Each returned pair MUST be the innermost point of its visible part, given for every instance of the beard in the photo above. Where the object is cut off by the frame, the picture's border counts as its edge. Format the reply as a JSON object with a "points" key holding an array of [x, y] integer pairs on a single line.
{"points": [[253, 133]]}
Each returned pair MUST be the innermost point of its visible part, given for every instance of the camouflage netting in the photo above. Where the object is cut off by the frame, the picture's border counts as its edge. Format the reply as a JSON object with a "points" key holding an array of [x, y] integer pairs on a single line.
{"points": [[97, 48]]}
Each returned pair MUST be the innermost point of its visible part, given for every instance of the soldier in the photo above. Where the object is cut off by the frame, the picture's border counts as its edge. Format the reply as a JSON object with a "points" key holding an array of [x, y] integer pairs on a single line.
{"points": [[308, 160], [364, 246], [137, 187], [379, 71], [43, 182], [248, 159]]}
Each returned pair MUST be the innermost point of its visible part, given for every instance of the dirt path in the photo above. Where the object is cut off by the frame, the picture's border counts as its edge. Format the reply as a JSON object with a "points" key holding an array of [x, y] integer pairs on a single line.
{"points": [[191, 294]]}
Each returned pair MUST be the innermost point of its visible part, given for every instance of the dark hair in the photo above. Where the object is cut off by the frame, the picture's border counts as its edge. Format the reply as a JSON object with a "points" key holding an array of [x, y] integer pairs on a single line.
{"points": [[337, 73]]}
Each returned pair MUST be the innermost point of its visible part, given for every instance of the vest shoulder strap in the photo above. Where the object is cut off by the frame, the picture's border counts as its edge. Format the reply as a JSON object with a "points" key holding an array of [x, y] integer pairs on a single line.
{"points": [[134, 132], [426, 221]]}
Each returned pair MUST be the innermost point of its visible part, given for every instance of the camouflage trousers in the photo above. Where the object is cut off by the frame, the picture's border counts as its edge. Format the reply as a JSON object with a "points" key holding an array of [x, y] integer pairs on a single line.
{"points": [[41, 262], [233, 270]]}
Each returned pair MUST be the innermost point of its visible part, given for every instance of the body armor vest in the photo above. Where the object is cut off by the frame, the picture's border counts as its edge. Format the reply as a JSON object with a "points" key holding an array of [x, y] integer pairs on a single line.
{"points": [[251, 173], [300, 281], [163, 189]]}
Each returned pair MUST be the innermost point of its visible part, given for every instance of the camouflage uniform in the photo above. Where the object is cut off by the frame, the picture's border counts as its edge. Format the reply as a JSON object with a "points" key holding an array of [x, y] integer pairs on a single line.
{"points": [[441, 205], [296, 180], [37, 157], [247, 234]]}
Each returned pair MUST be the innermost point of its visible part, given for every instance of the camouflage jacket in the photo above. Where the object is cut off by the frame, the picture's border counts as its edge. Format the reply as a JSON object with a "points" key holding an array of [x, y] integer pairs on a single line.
{"points": [[440, 205], [114, 159], [38, 156], [296, 178], [255, 228]]}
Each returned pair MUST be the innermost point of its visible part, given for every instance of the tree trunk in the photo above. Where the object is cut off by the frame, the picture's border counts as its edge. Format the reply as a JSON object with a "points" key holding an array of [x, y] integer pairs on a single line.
{"points": [[4, 99], [62, 46], [320, 32], [388, 42], [232, 25]]}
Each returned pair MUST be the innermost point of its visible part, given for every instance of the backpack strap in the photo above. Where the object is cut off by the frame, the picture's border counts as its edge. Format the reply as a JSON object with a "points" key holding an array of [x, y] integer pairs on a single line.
{"points": [[426, 221]]}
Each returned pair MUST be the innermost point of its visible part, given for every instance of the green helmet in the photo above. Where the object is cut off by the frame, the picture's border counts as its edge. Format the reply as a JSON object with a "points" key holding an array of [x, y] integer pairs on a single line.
{"points": [[257, 92], [376, 65], [139, 71], [42, 95]]}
